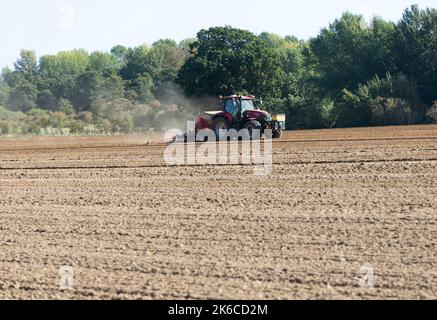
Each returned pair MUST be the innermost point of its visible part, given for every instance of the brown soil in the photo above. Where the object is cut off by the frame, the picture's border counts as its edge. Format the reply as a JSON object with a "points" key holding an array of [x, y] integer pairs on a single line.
{"points": [[133, 227]]}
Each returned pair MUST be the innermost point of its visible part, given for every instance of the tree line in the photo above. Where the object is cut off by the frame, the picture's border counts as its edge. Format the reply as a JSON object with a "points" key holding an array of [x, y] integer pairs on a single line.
{"points": [[353, 73]]}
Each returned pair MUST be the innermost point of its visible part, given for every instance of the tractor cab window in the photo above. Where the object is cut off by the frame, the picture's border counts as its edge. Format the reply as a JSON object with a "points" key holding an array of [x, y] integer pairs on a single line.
{"points": [[231, 106], [247, 105]]}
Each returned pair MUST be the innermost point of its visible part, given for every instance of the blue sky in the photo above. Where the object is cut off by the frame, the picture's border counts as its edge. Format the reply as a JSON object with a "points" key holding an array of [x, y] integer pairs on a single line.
{"points": [[49, 26]]}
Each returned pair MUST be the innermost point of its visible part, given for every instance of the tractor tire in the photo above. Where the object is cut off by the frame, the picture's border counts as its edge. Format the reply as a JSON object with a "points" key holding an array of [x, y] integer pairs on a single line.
{"points": [[251, 126], [277, 134], [220, 124]]}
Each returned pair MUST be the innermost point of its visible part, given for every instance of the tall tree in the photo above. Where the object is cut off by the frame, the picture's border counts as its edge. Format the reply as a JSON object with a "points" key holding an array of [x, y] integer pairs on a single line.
{"points": [[23, 82], [139, 62], [351, 52], [58, 73], [4, 88], [27, 63], [104, 63], [141, 68], [417, 49], [119, 53], [227, 60], [171, 59]]}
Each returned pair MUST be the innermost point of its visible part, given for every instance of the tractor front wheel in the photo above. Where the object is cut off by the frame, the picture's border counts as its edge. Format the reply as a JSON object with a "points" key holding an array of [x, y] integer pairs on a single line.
{"points": [[221, 127], [255, 129]]}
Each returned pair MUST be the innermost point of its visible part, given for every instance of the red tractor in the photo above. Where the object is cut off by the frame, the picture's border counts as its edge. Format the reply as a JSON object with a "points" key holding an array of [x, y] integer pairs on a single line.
{"points": [[240, 112]]}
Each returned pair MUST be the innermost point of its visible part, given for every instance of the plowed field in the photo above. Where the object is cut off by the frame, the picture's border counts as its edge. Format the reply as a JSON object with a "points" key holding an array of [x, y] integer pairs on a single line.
{"points": [[134, 228]]}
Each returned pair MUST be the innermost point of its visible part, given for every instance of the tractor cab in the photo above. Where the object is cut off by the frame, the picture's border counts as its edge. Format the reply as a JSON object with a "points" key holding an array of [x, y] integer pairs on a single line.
{"points": [[235, 104], [239, 107]]}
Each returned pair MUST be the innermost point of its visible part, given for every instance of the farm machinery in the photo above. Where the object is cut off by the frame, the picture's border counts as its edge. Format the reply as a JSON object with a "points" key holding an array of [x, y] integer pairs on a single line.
{"points": [[239, 113]]}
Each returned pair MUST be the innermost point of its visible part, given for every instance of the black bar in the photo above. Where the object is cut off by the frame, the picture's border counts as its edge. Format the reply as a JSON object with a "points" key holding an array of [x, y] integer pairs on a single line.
{"points": [[242, 309]]}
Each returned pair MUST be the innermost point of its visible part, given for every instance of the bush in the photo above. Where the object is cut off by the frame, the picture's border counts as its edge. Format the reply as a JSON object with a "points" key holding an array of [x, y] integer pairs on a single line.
{"points": [[327, 113], [4, 92], [103, 126], [46, 100], [397, 87], [143, 116], [76, 127], [85, 116], [10, 127], [65, 106], [40, 117], [145, 87], [431, 114], [381, 101], [352, 110], [123, 123], [20, 100], [50, 131], [391, 111], [6, 114], [32, 128]]}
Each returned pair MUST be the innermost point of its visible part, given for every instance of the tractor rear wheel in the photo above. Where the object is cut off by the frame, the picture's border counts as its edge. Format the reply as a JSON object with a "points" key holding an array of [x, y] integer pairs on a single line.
{"points": [[254, 128], [221, 127]]}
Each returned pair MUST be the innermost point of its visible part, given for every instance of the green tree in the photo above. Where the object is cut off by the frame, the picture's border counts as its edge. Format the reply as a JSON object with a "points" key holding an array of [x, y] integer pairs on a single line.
{"points": [[46, 100], [171, 59], [226, 61], [92, 86], [65, 106], [416, 47], [381, 100], [87, 85], [104, 63], [141, 69], [432, 113], [185, 47], [119, 54], [4, 92], [59, 73], [390, 111], [351, 52], [27, 63], [21, 83], [123, 122], [23, 93], [144, 87], [278, 42], [139, 62]]}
